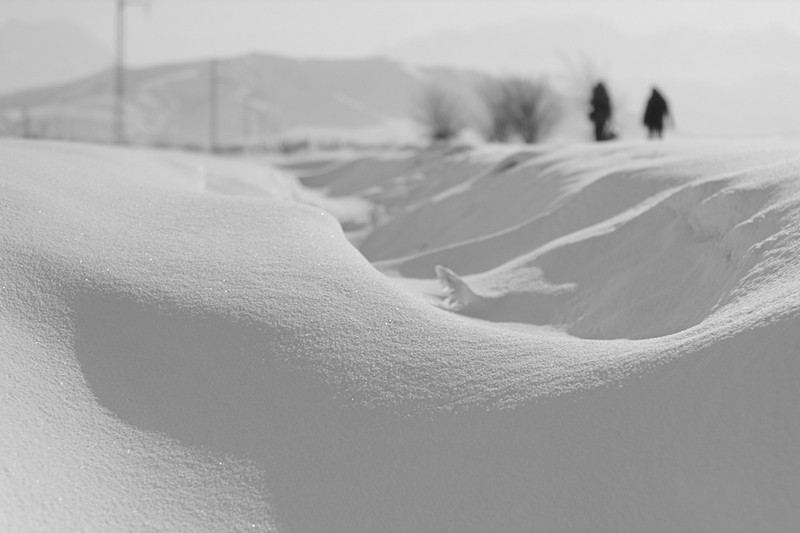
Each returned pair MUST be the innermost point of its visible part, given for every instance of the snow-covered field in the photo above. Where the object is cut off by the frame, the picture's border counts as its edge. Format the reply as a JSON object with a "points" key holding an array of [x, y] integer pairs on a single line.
{"points": [[577, 338]]}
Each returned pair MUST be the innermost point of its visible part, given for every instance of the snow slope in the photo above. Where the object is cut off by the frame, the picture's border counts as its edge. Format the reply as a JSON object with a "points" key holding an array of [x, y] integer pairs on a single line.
{"points": [[580, 338]]}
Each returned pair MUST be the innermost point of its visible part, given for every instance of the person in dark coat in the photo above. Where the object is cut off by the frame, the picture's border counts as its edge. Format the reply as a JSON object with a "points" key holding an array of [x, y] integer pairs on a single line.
{"points": [[655, 113], [600, 113]]}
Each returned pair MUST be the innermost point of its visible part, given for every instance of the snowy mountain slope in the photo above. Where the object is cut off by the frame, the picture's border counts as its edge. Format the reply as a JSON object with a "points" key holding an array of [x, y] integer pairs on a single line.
{"points": [[258, 97]]}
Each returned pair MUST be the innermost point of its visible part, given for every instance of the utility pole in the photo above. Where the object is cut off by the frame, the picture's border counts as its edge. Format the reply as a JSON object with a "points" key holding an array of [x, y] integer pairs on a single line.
{"points": [[213, 82], [25, 118], [119, 77], [119, 72], [245, 123]]}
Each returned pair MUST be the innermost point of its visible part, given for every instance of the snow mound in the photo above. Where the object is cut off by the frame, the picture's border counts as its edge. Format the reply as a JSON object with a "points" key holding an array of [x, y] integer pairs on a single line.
{"points": [[638, 250], [173, 358], [459, 295]]}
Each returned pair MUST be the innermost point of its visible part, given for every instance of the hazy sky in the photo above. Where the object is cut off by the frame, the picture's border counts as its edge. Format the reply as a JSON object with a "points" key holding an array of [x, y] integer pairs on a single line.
{"points": [[161, 30]]}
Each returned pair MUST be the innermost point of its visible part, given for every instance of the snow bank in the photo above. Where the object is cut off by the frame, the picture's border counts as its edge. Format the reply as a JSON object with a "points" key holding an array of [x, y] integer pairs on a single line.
{"points": [[175, 358]]}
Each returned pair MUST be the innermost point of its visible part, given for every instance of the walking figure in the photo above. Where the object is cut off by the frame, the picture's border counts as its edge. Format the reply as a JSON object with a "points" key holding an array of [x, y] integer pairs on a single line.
{"points": [[654, 114], [600, 114]]}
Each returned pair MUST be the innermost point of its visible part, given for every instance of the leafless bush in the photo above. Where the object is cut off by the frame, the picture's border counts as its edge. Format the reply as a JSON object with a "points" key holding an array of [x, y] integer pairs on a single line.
{"points": [[499, 110], [521, 107], [440, 113]]}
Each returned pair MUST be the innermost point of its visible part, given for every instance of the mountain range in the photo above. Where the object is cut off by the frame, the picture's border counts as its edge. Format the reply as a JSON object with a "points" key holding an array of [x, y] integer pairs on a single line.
{"points": [[258, 96], [33, 54], [734, 84], [555, 46], [718, 85]]}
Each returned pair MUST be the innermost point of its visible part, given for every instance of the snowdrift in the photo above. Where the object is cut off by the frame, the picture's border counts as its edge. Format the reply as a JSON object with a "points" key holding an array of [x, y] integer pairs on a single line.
{"points": [[580, 338]]}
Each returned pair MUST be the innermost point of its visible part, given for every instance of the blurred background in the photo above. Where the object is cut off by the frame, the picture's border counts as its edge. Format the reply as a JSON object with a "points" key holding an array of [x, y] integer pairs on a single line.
{"points": [[284, 75]]}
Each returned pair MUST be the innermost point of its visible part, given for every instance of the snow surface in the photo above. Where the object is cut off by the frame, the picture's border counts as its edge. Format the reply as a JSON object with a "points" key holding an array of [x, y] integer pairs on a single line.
{"points": [[583, 338]]}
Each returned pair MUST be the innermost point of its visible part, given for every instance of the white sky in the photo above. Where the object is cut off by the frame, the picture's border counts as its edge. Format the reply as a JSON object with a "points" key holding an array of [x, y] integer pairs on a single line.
{"points": [[183, 29]]}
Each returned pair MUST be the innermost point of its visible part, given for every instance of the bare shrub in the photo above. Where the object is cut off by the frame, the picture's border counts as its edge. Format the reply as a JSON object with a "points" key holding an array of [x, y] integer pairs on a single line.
{"points": [[440, 113], [521, 107], [499, 126]]}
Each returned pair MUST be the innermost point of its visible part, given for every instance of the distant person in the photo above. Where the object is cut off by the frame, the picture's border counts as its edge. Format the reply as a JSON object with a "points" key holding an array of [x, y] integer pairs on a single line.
{"points": [[655, 113], [600, 114]]}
